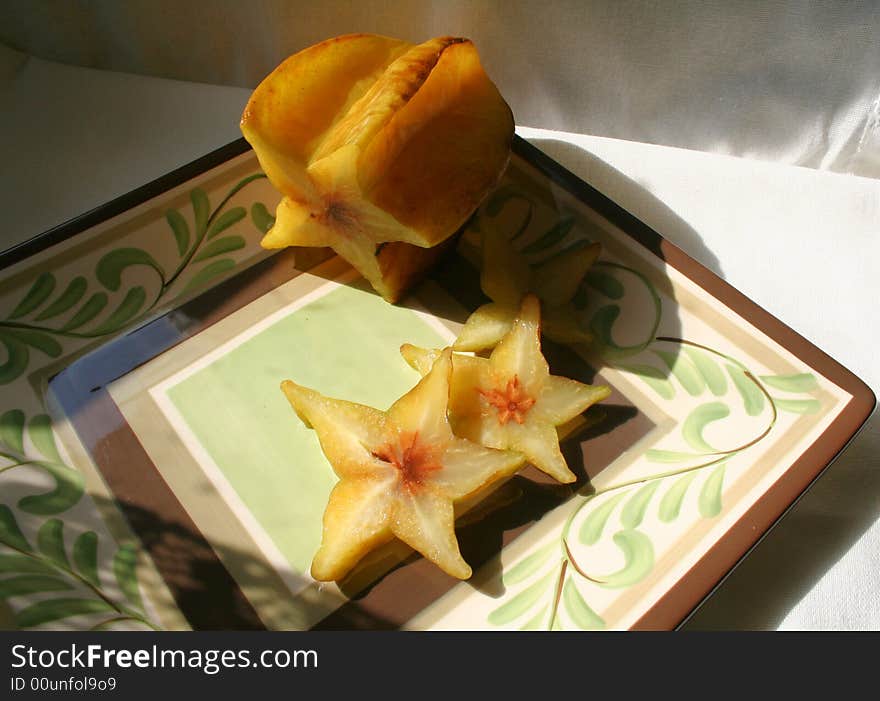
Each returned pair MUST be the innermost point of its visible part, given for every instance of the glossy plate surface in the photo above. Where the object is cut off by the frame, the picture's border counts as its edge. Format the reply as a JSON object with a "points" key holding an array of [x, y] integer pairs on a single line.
{"points": [[153, 474]]}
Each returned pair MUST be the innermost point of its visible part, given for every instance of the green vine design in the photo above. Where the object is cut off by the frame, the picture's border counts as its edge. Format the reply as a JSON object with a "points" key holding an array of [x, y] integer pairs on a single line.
{"points": [[631, 500], [48, 568], [73, 577], [43, 318], [202, 246], [548, 579], [68, 483]]}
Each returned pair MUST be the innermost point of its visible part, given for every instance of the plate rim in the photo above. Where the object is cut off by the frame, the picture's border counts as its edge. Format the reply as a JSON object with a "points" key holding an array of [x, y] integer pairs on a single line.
{"points": [[679, 603]]}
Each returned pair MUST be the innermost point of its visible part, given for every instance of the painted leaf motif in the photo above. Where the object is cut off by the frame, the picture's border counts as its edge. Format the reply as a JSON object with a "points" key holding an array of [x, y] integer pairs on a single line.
{"points": [[551, 237], [684, 371], [201, 209], [602, 322], [41, 435], [522, 602], [208, 273], [17, 358], [110, 267], [125, 571], [605, 284], [72, 294], [580, 613], [638, 556], [710, 494], [593, 525], [125, 312], [698, 419], [24, 564], [37, 339], [39, 292], [93, 306], [708, 369], [501, 197], [227, 219], [798, 406], [799, 382], [523, 226], [50, 542], [668, 456], [219, 247], [752, 396], [57, 609], [85, 556], [634, 510], [180, 229], [261, 218], [31, 584], [537, 621], [67, 491], [529, 565], [670, 504], [653, 377], [12, 430], [10, 533]]}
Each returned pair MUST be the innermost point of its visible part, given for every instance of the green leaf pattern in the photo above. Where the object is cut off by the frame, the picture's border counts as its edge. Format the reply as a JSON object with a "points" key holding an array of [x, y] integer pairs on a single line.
{"points": [[549, 587], [25, 570], [37, 322], [537, 594], [78, 574]]}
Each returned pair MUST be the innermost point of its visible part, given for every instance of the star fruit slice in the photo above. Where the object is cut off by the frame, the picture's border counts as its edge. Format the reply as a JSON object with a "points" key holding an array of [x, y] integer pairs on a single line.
{"points": [[400, 473], [506, 276], [373, 140], [510, 401]]}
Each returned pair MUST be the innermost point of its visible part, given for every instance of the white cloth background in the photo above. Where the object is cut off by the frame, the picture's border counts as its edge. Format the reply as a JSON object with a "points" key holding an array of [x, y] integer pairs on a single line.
{"points": [[788, 81], [781, 85]]}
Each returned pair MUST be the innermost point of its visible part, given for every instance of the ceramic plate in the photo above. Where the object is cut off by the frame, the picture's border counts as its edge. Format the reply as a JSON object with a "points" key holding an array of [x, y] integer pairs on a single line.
{"points": [[153, 474]]}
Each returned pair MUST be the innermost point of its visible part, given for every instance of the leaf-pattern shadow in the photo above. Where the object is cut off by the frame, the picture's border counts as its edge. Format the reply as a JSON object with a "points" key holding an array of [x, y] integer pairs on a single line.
{"points": [[77, 587]]}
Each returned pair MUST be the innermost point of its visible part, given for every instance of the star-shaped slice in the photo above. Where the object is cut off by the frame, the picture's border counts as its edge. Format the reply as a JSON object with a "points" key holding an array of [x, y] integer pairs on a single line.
{"points": [[400, 473], [510, 401], [506, 277]]}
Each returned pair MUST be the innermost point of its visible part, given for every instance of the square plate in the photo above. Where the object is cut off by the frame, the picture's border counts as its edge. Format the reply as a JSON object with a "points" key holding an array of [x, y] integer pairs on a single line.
{"points": [[154, 475]]}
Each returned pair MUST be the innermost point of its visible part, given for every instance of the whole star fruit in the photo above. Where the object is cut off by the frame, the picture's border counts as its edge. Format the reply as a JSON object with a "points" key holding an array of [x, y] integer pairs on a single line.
{"points": [[381, 149], [506, 276]]}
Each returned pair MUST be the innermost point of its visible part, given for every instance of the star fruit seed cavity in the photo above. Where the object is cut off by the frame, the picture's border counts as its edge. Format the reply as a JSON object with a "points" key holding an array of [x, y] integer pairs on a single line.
{"points": [[400, 473], [510, 401]]}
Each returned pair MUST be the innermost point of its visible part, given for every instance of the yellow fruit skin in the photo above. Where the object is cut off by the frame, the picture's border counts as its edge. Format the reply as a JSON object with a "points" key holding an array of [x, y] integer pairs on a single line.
{"points": [[434, 162], [292, 108], [404, 140]]}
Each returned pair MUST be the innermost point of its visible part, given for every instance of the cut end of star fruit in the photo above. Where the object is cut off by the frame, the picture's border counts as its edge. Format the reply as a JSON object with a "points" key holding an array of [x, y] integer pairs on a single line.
{"points": [[400, 473], [510, 401], [373, 140], [506, 277]]}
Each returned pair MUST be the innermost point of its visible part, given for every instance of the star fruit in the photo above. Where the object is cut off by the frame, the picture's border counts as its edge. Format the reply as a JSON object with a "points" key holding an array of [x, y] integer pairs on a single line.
{"points": [[506, 277], [510, 401], [400, 473], [381, 149]]}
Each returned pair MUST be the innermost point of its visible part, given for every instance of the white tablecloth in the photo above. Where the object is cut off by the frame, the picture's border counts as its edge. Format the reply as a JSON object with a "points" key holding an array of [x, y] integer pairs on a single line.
{"points": [[803, 243]]}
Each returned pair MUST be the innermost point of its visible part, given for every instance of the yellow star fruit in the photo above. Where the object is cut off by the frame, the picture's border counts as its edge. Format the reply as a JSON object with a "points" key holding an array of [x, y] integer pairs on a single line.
{"points": [[381, 149], [510, 401], [400, 473], [506, 276]]}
